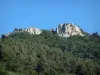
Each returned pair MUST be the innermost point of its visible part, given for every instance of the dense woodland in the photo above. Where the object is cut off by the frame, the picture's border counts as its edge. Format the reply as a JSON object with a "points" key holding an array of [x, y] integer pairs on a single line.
{"points": [[48, 54]]}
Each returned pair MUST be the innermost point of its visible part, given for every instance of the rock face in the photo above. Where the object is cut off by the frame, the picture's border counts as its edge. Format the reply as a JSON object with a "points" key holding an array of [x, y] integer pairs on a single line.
{"points": [[64, 30], [33, 31], [68, 29], [30, 30]]}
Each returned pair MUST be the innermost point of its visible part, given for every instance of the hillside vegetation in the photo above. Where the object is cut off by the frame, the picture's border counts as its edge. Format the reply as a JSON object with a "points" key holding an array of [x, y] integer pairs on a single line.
{"points": [[48, 54]]}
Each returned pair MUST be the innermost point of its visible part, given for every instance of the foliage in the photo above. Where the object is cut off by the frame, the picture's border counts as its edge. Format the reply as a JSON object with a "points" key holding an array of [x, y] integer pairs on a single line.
{"points": [[48, 54]]}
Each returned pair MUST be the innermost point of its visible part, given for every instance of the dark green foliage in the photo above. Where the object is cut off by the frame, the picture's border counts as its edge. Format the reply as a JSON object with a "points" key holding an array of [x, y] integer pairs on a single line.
{"points": [[3, 73], [17, 29], [49, 54]]}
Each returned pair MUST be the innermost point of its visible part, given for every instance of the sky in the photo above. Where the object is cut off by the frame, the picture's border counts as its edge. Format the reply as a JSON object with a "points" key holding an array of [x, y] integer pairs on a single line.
{"points": [[48, 14]]}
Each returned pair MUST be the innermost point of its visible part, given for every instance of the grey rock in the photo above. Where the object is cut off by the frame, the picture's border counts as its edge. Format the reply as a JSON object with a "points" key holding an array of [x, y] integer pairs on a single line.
{"points": [[33, 30], [68, 29]]}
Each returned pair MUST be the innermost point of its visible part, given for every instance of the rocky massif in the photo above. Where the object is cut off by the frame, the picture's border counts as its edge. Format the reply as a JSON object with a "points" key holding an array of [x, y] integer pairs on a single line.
{"points": [[68, 29], [22, 53], [33, 30], [63, 30]]}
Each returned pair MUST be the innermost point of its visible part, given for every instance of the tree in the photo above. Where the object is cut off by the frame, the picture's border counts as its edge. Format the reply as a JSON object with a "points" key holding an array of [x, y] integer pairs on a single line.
{"points": [[16, 29]]}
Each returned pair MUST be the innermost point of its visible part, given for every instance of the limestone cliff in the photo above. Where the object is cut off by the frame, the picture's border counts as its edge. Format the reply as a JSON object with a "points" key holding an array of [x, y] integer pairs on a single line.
{"points": [[33, 30], [68, 29], [64, 30]]}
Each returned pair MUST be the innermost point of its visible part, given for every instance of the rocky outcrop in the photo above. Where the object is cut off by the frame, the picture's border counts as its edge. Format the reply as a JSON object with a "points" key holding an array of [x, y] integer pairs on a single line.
{"points": [[33, 30], [68, 29], [30, 30], [64, 30]]}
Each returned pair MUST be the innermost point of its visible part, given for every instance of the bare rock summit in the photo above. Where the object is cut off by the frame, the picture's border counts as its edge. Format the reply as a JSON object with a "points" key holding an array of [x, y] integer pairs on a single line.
{"points": [[33, 30], [68, 29]]}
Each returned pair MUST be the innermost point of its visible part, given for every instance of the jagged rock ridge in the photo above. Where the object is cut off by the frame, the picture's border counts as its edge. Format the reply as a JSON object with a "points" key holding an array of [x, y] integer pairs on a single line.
{"points": [[33, 31], [64, 30], [68, 29]]}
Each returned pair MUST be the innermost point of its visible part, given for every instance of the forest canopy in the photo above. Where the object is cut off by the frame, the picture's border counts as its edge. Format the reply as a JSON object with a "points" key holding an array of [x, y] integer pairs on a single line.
{"points": [[48, 54]]}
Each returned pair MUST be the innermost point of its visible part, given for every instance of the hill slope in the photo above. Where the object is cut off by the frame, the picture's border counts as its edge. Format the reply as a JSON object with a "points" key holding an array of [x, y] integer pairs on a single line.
{"points": [[49, 54]]}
